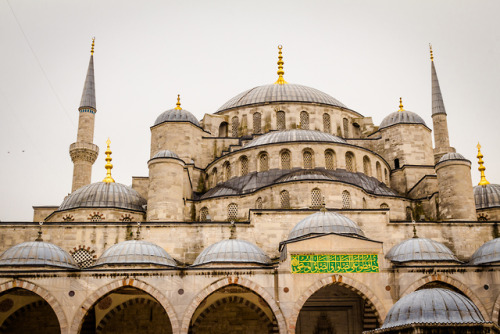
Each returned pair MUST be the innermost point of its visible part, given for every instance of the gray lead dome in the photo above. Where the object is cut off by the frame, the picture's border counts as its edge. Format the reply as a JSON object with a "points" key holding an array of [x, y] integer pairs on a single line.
{"points": [[401, 117], [37, 253], [487, 196], [176, 115], [135, 252], [452, 156], [165, 154], [232, 251], [420, 249], [487, 253], [286, 136], [325, 222], [436, 306]]}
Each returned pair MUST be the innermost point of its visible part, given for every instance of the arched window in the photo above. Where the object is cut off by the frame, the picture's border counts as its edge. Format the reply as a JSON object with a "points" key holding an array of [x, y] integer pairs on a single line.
{"points": [[409, 214], [346, 200], [258, 203], [244, 165], [285, 199], [285, 158], [367, 166], [345, 123], [384, 206], [234, 126], [257, 122], [350, 162], [396, 163], [214, 177], [280, 120], [96, 217], [308, 159], [232, 212], [365, 205], [203, 214], [316, 198], [223, 129], [304, 120], [379, 171], [263, 162], [227, 170], [386, 176], [330, 159], [327, 124]]}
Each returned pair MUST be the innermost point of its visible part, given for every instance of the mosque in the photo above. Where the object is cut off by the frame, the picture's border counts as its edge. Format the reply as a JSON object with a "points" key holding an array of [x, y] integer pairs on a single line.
{"points": [[284, 211]]}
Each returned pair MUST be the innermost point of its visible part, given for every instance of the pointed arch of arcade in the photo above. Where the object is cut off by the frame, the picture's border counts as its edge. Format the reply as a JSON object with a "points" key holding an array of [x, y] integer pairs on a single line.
{"points": [[495, 314], [360, 289], [110, 287], [188, 314], [44, 294], [451, 281]]}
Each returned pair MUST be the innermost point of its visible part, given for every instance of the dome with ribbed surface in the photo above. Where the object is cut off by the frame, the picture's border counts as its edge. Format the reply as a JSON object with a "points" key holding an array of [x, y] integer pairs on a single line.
{"points": [[104, 195], [232, 251], [287, 136], [37, 254], [280, 93], [325, 222], [487, 196], [420, 249], [487, 253], [435, 306], [135, 252], [176, 115], [452, 156], [165, 154], [401, 117]]}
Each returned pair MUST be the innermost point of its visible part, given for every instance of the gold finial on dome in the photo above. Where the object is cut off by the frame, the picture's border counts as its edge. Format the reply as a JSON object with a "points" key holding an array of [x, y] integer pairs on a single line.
{"points": [[401, 104], [108, 166], [178, 102], [481, 168], [281, 72], [432, 56], [92, 49]]}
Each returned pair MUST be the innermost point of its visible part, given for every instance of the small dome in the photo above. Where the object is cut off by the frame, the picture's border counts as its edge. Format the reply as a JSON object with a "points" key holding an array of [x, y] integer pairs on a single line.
{"points": [[135, 252], [232, 251], [437, 306], [104, 195], [37, 253], [280, 93], [287, 136], [420, 249], [452, 156], [165, 154], [401, 117], [487, 196], [487, 253], [325, 222], [176, 115]]}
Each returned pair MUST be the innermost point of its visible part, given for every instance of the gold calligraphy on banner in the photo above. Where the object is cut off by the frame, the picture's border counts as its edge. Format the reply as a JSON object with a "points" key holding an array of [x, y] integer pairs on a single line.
{"points": [[334, 263]]}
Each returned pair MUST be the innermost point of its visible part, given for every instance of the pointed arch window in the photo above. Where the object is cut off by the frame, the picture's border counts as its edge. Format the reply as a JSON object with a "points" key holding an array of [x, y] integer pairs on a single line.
{"points": [[307, 156], [263, 162], [304, 120], [235, 123], [367, 166], [244, 165], [258, 203], [227, 170], [330, 159], [379, 171], [280, 120], [214, 177], [285, 199], [346, 200], [316, 198], [285, 158], [232, 212], [203, 214], [327, 124], [257, 122], [350, 163]]}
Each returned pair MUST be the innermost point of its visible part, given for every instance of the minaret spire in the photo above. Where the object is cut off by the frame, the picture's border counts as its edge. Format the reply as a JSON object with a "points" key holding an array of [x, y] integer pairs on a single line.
{"points": [[437, 98], [481, 168], [88, 94], [281, 72]]}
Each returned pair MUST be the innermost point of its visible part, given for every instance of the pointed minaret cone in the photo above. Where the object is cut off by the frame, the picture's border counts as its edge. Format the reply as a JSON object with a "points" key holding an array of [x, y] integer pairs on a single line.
{"points": [[83, 152], [439, 121]]}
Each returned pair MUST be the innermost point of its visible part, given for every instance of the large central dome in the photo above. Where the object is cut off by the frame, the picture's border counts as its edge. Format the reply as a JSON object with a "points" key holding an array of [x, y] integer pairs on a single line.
{"points": [[280, 93]]}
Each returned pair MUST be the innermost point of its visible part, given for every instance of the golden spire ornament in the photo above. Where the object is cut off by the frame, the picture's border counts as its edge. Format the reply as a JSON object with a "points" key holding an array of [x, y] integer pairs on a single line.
{"points": [[401, 104], [108, 166], [92, 49], [481, 168], [178, 102], [281, 72], [432, 56]]}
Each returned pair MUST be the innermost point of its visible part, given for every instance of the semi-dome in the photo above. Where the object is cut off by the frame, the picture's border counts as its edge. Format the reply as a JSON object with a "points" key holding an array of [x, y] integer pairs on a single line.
{"points": [[165, 154], [37, 253], [280, 93], [401, 117], [487, 253], [452, 156], [135, 252], [232, 251], [286, 136], [435, 306], [420, 249], [176, 115], [487, 196], [325, 222], [104, 195]]}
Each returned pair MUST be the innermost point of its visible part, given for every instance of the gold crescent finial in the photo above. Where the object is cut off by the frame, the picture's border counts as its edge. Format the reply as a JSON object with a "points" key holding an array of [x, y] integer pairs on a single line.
{"points": [[178, 102], [108, 166], [281, 72], [432, 55], [92, 49], [481, 168], [401, 104]]}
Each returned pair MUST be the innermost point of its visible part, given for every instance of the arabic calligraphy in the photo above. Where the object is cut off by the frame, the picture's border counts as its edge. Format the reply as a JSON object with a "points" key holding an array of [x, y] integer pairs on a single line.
{"points": [[334, 263]]}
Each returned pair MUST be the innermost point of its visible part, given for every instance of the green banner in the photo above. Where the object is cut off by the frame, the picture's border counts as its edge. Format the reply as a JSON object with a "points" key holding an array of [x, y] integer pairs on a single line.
{"points": [[334, 263]]}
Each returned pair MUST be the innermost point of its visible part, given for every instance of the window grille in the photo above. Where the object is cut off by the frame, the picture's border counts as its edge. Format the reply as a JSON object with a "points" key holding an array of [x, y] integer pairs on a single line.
{"points": [[96, 217], [203, 214], [83, 258], [379, 171], [227, 171], [327, 125], [234, 126], [349, 162], [285, 160], [346, 200], [386, 176], [126, 218], [244, 165], [257, 122], [308, 159], [304, 120], [367, 167], [365, 205], [285, 199], [214, 177], [329, 159], [258, 203], [232, 212], [316, 198], [345, 122], [384, 206], [263, 162], [280, 120]]}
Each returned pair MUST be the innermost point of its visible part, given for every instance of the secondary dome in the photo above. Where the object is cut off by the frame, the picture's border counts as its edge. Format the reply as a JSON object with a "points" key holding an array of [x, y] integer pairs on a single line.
{"points": [[437, 306], [232, 251], [280, 93], [104, 195], [176, 115], [452, 156], [37, 253], [165, 154], [286, 136], [325, 222], [487, 196], [401, 117], [487, 253], [420, 249], [135, 252]]}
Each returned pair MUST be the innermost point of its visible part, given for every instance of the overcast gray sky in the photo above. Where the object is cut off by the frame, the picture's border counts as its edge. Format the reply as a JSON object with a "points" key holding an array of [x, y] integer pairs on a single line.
{"points": [[364, 53]]}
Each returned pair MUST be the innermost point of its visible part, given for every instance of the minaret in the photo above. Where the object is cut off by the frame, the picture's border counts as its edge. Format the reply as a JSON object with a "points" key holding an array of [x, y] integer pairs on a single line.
{"points": [[439, 122], [83, 152]]}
